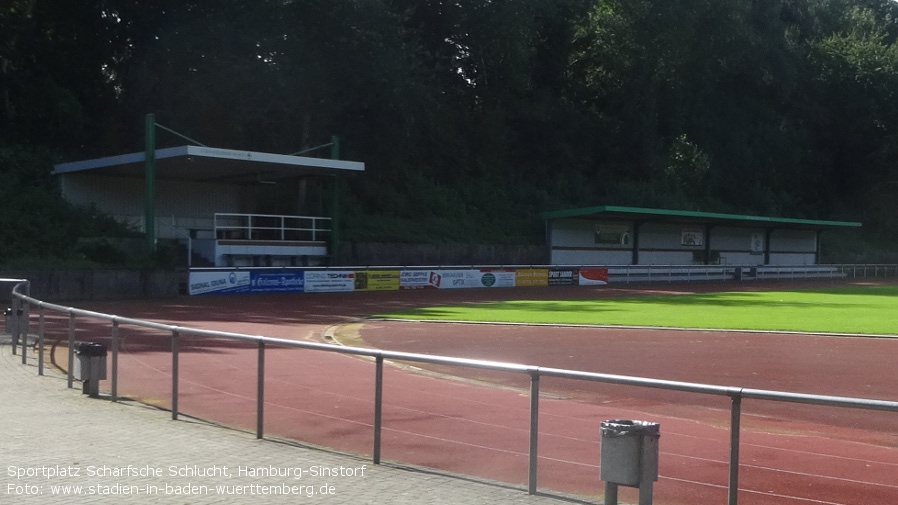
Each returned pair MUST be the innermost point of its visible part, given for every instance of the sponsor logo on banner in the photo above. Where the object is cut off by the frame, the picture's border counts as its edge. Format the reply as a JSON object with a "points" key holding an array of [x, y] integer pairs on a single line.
{"points": [[329, 281], [201, 283], [453, 279], [460, 279], [377, 280], [563, 277], [593, 276], [418, 279], [270, 282], [495, 278], [526, 277]]}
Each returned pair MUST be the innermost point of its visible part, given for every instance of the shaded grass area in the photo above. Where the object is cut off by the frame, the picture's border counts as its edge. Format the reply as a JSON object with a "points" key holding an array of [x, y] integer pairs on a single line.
{"points": [[853, 309]]}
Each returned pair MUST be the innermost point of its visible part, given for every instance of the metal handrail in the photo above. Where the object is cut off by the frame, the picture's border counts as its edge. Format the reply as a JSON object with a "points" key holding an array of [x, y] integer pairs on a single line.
{"points": [[249, 223], [736, 394]]}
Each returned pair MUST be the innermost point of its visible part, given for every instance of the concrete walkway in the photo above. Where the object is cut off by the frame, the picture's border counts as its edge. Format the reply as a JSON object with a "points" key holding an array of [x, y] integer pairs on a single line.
{"points": [[59, 446]]}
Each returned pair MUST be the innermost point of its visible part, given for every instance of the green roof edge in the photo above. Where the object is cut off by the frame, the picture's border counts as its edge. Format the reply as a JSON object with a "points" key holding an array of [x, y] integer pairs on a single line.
{"points": [[613, 209]]}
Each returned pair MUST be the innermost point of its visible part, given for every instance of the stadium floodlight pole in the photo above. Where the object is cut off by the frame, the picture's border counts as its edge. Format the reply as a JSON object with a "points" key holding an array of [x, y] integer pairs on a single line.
{"points": [[149, 216]]}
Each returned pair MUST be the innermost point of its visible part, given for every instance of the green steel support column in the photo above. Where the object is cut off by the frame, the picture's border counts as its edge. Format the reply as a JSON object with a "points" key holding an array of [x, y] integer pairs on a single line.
{"points": [[708, 244], [634, 260], [149, 218], [335, 147], [817, 247], [335, 210]]}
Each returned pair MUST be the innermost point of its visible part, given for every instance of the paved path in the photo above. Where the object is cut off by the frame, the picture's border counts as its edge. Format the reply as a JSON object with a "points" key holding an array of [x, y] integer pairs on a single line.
{"points": [[57, 443]]}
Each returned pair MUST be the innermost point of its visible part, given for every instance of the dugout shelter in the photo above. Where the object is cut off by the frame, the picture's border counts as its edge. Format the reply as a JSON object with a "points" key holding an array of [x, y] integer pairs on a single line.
{"points": [[613, 235]]}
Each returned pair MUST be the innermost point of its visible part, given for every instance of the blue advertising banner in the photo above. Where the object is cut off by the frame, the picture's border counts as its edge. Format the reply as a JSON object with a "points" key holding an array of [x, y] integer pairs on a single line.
{"points": [[292, 281]]}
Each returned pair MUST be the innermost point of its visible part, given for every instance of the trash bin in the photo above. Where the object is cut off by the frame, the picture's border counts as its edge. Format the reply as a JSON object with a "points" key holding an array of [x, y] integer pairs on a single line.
{"points": [[737, 274], [16, 326], [90, 367], [629, 457]]}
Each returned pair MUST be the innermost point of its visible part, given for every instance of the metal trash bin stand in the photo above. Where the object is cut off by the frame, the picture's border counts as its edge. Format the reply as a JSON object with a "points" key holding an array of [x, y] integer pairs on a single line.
{"points": [[629, 457], [16, 325], [90, 367]]}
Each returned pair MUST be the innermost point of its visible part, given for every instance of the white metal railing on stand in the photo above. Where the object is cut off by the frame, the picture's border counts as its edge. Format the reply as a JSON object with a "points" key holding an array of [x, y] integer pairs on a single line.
{"points": [[535, 373], [270, 227]]}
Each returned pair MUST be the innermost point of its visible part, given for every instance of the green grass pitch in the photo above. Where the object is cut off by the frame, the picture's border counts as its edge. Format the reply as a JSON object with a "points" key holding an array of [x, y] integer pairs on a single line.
{"points": [[854, 309]]}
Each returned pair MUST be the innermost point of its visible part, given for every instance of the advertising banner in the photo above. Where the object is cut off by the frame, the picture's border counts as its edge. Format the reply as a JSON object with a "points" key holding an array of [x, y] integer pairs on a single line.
{"points": [[564, 277], [452, 279], [485, 278], [377, 280], [277, 282], [692, 238], [489, 278], [527, 277], [419, 279], [456, 279], [221, 281], [757, 243], [329, 281], [593, 276]]}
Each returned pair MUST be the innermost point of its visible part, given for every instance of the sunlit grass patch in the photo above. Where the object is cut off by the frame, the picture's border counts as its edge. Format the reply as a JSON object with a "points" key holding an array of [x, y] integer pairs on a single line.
{"points": [[855, 309]]}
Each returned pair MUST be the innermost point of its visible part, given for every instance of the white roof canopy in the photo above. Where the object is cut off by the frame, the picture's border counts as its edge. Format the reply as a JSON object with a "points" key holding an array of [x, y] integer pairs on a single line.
{"points": [[212, 164]]}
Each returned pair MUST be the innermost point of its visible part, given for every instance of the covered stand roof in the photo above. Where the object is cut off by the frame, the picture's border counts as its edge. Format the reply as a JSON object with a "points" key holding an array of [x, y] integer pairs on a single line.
{"points": [[685, 216], [211, 164]]}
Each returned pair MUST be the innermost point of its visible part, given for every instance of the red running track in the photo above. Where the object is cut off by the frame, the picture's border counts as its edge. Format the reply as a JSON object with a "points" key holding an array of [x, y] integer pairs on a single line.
{"points": [[790, 455]]}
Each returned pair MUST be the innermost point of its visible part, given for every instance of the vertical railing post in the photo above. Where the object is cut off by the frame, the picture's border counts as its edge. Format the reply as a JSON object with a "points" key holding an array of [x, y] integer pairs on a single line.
{"points": [[22, 328], [260, 391], [27, 323], [174, 375], [735, 421], [71, 359], [24, 319], [41, 328], [378, 406], [114, 359], [14, 318], [534, 430]]}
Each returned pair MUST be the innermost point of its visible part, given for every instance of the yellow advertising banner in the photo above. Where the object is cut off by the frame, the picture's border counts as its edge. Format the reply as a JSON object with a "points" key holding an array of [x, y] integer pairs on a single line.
{"points": [[377, 280], [531, 277]]}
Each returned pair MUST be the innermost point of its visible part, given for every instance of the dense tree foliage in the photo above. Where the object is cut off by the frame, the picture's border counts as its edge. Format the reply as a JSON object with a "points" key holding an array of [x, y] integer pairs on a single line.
{"points": [[473, 116]]}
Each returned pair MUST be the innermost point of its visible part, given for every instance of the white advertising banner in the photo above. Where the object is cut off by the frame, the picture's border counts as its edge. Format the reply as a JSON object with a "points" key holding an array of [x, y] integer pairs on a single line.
{"points": [[222, 281], [456, 279], [419, 279], [329, 281]]}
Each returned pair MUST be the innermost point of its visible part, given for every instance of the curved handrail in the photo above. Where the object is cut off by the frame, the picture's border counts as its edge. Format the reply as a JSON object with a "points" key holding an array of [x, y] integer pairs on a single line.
{"points": [[736, 394]]}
